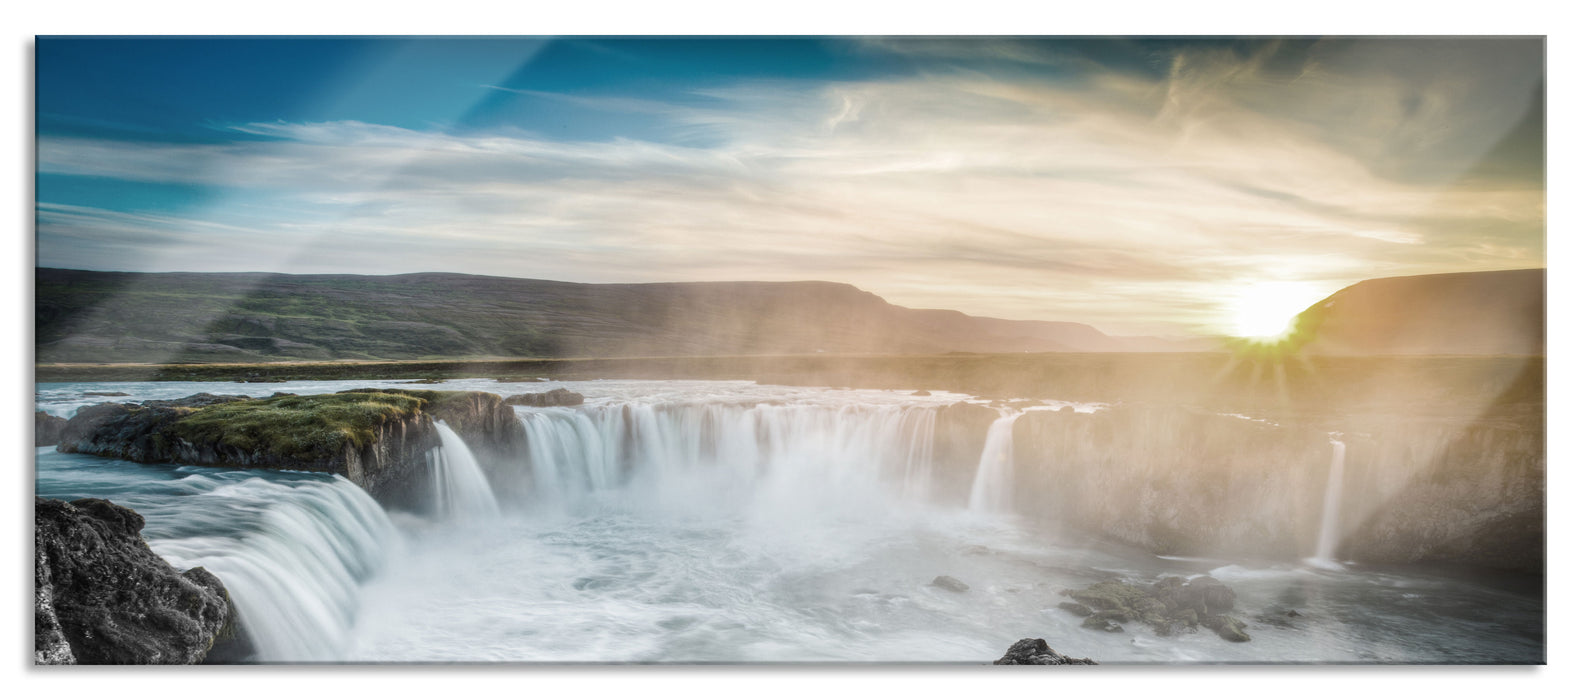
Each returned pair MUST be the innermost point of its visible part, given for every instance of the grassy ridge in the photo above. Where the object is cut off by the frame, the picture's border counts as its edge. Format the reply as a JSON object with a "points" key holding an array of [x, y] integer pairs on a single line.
{"points": [[308, 428]]}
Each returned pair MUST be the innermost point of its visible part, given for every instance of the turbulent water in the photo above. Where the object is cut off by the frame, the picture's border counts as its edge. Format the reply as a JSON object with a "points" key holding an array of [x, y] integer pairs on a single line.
{"points": [[725, 522]]}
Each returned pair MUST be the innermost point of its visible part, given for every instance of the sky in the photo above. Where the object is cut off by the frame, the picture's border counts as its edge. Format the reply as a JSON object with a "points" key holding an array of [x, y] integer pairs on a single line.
{"points": [[1143, 186]]}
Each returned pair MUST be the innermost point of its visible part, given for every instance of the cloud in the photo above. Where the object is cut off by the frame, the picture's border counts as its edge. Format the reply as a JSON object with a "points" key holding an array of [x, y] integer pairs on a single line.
{"points": [[1121, 200]]}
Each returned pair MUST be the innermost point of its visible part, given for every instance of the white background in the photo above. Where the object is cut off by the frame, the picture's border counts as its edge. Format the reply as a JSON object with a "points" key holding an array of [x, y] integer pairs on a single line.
{"points": [[21, 680]]}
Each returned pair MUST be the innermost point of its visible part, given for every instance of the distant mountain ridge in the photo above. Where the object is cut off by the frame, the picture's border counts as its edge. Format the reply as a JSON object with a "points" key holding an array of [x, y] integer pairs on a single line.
{"points": [[1463, 313], [87, 316]]}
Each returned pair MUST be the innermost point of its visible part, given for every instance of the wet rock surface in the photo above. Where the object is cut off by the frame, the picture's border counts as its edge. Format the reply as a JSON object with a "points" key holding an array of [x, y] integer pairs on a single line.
{"points": [[379, 439], [950, 583], [46, 428], [553, 397], [1170, 606], [101, 596], [1036, 652]]}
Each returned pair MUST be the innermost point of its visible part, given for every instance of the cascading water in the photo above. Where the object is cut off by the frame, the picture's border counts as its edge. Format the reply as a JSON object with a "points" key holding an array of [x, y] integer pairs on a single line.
{"points": [[991, 485], [295, 581], [735, 451], [461, 491], [1329, 525], [292, 549], [734, 522]]}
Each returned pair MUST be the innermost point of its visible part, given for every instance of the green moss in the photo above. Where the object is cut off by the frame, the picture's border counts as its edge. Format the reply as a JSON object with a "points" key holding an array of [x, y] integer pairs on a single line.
{"points": [[303, 427], [436, 401]]}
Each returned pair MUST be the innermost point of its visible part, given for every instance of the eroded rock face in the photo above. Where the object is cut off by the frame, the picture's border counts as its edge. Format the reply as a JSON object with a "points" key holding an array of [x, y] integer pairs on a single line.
{"points": [[553, 397], [391, 466], [1452, 489], [389, 460], [1036, 652], [489, 426], [46, 428], [101, 596]]}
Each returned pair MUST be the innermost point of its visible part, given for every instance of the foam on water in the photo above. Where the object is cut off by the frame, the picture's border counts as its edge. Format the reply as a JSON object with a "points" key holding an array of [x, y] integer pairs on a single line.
{"points": [[726, 521]]}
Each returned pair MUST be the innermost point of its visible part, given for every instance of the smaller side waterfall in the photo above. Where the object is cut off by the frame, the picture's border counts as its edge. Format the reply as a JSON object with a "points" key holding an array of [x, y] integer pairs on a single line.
{"points": [[1329, 526], [296, 578], [461, 491], [991, 487]]}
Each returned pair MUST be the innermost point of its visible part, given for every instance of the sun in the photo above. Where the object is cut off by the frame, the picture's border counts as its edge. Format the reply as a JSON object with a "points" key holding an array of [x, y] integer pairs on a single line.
{"points": [[1267, 310]]}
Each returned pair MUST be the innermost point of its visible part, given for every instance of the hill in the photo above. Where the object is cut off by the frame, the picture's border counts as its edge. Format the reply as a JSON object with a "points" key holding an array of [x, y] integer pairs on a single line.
{"points": [[1466, 313], [85, 316]]}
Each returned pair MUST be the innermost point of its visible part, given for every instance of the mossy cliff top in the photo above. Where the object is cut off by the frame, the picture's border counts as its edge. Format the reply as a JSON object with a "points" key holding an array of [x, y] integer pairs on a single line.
{"points": [[303, 427], [280, 431]]}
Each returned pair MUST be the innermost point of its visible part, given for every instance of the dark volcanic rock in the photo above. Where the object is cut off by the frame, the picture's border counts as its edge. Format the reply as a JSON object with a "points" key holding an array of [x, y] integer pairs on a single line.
{"points": [[1077, 609], [950, 583], [101, 596], [383, 452], [1229, 628], [1170, 606], [488, 425], [1217, 597], [553, 397], [1036, 652], [46, 428], [1102, 624], [198, 400]]}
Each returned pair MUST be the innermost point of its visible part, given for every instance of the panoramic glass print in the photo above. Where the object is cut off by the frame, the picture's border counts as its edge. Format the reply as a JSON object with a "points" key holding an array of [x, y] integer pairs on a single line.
{"points": [[725, 350]]}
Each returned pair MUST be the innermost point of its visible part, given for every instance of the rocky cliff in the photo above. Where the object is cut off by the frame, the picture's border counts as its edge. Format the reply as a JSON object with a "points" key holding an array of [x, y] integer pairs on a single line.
{"points": [[101, 596], [1458, 489], [378, 439]]}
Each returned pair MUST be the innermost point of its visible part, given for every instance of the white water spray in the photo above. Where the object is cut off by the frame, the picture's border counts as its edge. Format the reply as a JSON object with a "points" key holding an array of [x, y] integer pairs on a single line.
{"points": [[727, 453], [296, 580], [461, 491], [991, 486], [1329, 526]]}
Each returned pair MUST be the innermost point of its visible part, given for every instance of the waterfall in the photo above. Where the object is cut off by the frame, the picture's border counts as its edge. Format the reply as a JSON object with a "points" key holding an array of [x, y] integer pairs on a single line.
{"points": [[1329, 526], [461, 491], [740, 451], [991, 486], [294, 577]]}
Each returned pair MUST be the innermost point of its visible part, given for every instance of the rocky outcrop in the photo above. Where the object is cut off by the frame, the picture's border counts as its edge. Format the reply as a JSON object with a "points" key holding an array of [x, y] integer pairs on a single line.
{"points": [[1453, 489], [46, 428], [488, 425], [950, 583], [101, 596], [378, 439], [1170, 606], [960, 431], [1036, 652], [553, 397]]}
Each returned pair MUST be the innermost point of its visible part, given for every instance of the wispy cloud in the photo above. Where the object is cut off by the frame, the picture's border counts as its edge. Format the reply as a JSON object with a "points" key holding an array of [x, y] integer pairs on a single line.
{"points": [[1119, 200]]}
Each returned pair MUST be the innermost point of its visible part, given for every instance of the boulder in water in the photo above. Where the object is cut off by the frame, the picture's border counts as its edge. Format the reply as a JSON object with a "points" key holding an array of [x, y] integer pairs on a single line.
{"points": [[101, 596], [1102, 624], [46, 428], [1217, 597], [1077, 609], [1229, 628], [1036, 652], [950, 583], [923, 392], [1170, 606]]}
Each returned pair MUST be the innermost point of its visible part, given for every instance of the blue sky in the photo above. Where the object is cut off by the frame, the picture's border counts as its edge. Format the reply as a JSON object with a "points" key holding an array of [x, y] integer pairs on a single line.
{"points": [[1143, 186]]}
